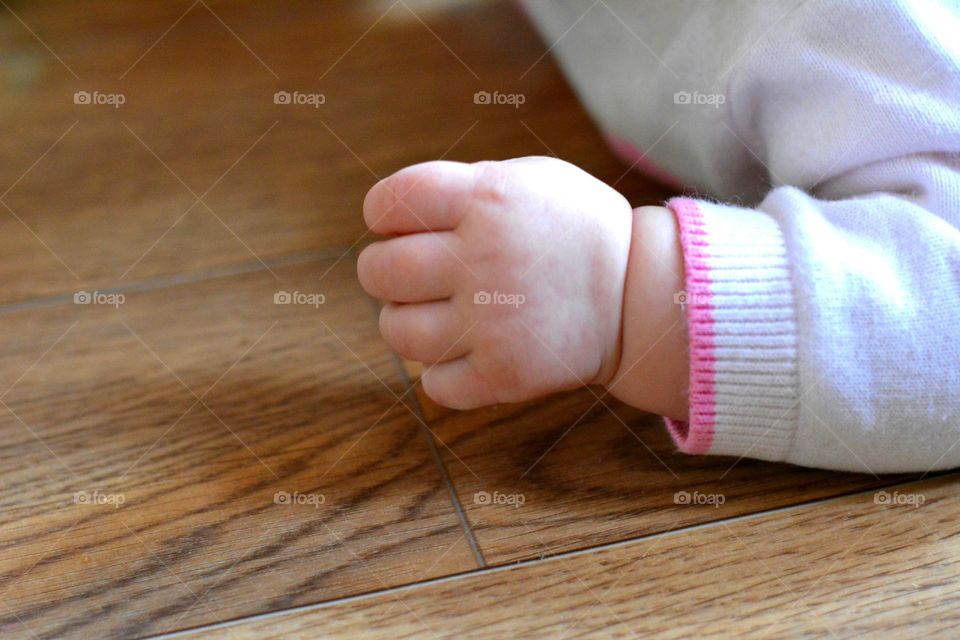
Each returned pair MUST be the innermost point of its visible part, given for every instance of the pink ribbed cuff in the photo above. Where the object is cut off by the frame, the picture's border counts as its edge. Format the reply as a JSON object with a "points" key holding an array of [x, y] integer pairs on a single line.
{"points": [[696, 436]]}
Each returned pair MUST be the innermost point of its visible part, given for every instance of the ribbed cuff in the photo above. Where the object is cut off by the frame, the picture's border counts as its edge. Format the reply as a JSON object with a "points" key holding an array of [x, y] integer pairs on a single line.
{"points": [[742, 329]]}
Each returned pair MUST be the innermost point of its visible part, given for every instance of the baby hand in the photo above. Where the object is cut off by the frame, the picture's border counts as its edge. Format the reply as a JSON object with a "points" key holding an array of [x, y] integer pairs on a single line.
{"points": [[507, 277]]}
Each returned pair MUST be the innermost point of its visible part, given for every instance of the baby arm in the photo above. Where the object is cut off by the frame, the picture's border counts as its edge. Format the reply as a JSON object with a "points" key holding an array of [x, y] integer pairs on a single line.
{"points": [[653, 369]]}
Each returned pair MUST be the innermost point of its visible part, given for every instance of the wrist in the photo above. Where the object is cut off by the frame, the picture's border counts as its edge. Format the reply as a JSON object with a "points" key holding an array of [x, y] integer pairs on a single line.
{"points": [[653, 369]]}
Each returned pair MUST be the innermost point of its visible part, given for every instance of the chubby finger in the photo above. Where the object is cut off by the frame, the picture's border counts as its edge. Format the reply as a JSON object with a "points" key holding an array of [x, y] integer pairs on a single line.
{"points": [[426, 332], [457, 385], [415, 268], [422, 197]]}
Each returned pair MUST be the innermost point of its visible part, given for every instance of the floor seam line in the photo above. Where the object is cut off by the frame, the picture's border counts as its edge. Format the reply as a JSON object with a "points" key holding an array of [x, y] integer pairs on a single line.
{"points": [[444, 472], [435, 453]]}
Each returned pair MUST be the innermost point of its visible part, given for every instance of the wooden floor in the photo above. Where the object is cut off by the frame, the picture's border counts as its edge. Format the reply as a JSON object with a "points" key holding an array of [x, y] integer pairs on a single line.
{"points": [[183, 454]]}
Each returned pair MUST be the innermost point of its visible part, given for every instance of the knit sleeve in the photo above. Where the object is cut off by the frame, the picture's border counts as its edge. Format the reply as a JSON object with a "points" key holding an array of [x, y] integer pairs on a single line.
{"points": [[824, 318], [824, 332], [742, 333], [822, 290]]}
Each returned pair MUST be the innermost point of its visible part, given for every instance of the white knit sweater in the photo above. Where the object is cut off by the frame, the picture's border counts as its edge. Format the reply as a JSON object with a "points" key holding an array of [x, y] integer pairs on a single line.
{"points": [[823, 274]]}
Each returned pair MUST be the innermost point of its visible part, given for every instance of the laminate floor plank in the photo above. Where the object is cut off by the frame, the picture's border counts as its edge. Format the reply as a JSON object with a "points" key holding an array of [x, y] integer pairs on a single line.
{"points": [[867, 565], [199, 453], [571, 472], [199, 168]]}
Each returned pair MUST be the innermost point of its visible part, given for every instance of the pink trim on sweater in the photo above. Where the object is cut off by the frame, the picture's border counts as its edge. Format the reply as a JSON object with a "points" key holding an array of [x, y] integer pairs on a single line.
{"points": [[697, 435], [638, 160]]}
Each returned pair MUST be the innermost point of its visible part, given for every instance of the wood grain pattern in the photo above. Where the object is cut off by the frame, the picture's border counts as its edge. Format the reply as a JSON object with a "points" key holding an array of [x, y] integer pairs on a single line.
{"points": [[847, 569], [178, 417], [592, 472], [199, 121]]}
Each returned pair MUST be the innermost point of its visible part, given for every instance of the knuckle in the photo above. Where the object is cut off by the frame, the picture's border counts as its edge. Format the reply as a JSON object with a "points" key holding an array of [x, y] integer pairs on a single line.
{"points": [[491, 183]]}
